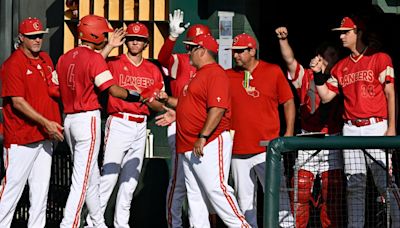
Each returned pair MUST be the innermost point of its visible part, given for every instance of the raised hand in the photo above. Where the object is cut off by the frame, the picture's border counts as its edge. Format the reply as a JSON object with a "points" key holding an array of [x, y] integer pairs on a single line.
{"points": [[281, 33], [316, 64], [117, 38], [175, 23]]}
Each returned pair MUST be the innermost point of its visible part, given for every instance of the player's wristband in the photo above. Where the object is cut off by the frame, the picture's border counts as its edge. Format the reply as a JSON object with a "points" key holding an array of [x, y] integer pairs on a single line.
{"points": [[133, 96], [201, 136], [320, 78]]}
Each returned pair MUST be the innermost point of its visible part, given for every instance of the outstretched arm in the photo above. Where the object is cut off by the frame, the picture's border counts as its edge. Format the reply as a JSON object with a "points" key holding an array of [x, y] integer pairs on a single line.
{"points": [[124, 94]]}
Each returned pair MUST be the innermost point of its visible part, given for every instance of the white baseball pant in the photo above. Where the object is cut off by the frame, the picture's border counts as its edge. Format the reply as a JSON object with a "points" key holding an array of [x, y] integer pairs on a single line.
{"points": [[245, 171], [30, 162], [356, 172], [325, 160], [206, 179], [176, 192], [124, 146], [82, 133]]}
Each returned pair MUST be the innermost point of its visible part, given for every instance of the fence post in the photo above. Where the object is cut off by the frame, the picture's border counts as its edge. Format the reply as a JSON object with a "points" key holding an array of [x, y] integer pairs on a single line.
{"points": [[272, 183]]}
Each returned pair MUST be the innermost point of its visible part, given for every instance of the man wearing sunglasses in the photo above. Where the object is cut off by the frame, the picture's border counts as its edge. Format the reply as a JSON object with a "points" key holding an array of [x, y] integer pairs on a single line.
{"points": [[31, 121], [203, 139], [257, 88], [125, 133], [180, 72]]}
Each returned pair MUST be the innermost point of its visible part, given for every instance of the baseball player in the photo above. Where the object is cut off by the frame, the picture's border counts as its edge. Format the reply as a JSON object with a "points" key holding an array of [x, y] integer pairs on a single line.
{"points": [[366, 80], [83, 73], [180, 71], [203, 140], [31, 121], [257, 89], [316, 117], [125, 133]]}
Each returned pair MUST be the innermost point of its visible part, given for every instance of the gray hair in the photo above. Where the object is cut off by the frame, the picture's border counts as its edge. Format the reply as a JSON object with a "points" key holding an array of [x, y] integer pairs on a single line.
{"points": [[17, 42]]}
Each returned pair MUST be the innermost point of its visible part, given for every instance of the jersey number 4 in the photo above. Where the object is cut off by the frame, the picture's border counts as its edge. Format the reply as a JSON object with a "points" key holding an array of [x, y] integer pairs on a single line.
{"points": [[71, 77]]}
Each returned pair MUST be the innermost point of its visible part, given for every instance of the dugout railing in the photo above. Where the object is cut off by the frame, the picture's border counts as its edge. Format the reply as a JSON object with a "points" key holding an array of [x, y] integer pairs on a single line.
{"points": [[284, 145]]}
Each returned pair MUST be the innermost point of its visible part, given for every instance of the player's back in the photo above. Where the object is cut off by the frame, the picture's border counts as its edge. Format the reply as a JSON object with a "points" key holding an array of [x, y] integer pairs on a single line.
{"points": [[77, 70]]}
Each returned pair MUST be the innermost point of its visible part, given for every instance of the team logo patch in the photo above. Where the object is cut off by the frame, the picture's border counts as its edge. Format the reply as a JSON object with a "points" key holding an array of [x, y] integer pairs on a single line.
{"points": [[198, 31], [36, 26], [342, 22], [219, 99], [136, 29], [252, 91], [126, 68], [235, 40]]}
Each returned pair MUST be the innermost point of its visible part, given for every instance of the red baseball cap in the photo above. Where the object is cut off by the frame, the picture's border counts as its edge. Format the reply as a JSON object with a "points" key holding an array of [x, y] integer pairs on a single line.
{"points": [[137, 29], [31, 26], [206, 41], [196, 30], [346, 24], [243, 41]]}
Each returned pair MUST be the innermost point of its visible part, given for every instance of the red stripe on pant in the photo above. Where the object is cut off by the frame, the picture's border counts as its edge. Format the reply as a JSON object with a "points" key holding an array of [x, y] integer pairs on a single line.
{"points": [[87, 172], [221, 181], [172, 190], [4, 181]]}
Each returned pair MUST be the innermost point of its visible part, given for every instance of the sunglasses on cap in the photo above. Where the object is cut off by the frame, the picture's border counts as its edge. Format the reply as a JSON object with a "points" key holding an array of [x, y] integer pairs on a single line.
{"points": [[240, 51], [192, 48], [34, 37], [133, 38]]}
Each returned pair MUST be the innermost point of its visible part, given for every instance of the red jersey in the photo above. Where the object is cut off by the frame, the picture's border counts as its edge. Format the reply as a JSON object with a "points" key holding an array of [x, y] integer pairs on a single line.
{"points": [[132, 77], [255, 114], [178, 66], [209, 88], [362, 81], [315, 116], [30, 79], [80, 70]]}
